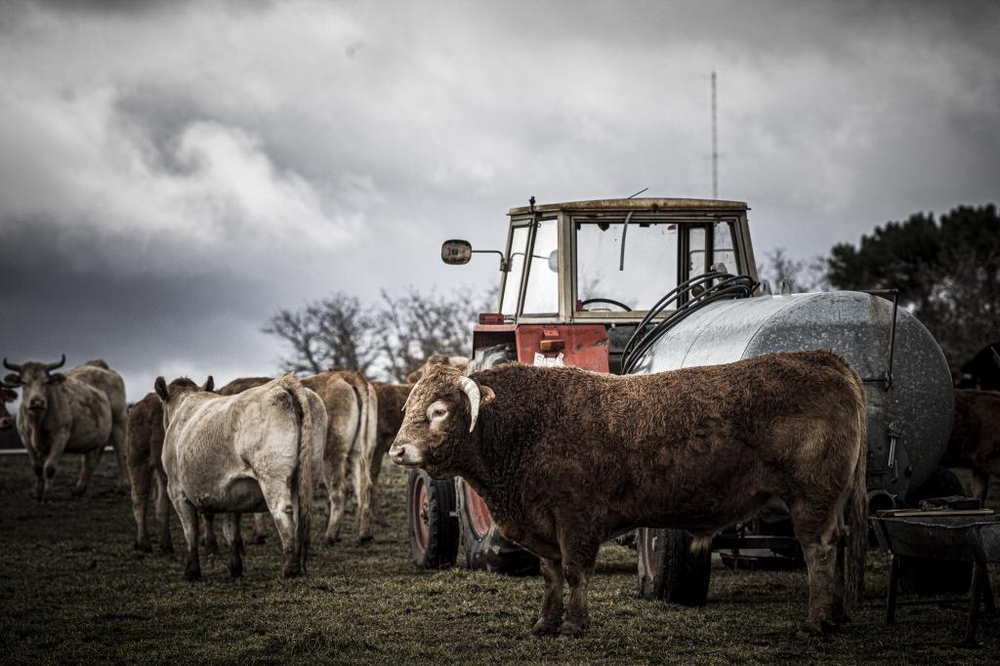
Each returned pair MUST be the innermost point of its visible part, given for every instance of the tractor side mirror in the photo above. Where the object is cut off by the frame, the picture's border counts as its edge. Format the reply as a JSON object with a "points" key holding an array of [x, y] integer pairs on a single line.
{"points": [[456, 252]]}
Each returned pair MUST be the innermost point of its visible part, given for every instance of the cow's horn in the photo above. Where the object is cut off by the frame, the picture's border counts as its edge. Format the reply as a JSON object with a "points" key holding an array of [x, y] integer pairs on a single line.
{"points": [[11, 366], [472, 391], [996, 356], [58, 364], [407, 401]]}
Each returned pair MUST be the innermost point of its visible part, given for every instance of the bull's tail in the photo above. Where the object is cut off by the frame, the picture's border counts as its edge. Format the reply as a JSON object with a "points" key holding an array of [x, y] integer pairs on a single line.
{"points": [[303, 475], [857, 508], [365, 443]]}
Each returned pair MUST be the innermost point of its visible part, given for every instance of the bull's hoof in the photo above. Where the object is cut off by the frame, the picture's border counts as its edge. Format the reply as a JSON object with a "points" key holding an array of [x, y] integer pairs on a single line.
{"points": [[571, 630], [212, 548], [257, 539], [546, 627], [330, 541], [235, 568], [77, 493], [167, 549], [142, 546], [192, 573], [291, 570], [817, 629], [366, 541]]}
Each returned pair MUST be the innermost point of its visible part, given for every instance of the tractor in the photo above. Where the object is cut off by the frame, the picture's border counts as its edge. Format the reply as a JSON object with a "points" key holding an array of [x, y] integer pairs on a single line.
{"points": [[644, 285]]}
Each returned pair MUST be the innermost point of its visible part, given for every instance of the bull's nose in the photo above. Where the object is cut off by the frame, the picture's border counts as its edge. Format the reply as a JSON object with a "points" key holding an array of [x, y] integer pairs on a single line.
{"points": [[36, 404]]}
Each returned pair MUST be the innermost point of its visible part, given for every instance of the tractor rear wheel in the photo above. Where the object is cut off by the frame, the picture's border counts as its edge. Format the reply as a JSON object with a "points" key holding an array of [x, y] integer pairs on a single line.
{"points": [[669, 571], [431, 521], [485, 548]]}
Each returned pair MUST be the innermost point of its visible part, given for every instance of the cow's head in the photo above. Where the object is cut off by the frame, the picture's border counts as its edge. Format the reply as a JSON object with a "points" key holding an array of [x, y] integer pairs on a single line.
{"points": [[172, 394], [7, 394], [442, 411], [35, 380]]}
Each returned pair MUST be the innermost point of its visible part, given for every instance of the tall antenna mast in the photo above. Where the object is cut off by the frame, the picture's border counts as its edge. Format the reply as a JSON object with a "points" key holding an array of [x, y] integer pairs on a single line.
{"points": [[715, 146]]}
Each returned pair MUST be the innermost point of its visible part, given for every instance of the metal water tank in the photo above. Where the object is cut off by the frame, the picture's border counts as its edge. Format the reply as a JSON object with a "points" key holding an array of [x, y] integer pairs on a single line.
{"points": [[907, 380]]}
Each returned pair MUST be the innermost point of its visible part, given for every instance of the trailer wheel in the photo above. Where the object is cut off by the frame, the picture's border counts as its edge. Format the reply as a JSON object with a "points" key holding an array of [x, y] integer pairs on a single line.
{"points": [[485, 548], [431, 521], [669, 571]]}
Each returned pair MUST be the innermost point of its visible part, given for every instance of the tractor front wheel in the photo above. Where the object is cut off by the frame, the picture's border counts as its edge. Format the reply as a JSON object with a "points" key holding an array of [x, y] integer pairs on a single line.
{"points": [[485, 548], [431, 521]]}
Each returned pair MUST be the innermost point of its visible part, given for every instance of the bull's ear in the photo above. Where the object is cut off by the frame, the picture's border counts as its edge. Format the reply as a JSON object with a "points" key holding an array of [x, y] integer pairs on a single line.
{"points": [[7, 395], [56, 378], [209, 384], [13, 379], [161, 389], [487, 395]]}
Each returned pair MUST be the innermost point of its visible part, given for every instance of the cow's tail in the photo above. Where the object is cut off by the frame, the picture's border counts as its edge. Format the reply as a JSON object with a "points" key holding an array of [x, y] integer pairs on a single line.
{"points": [[303, 475], [857, 507], [365, 444]]}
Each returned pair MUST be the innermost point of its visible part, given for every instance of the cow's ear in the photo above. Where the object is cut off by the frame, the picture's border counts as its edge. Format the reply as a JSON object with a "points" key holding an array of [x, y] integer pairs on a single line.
{"points": [[209, 384], [56, 378], [486, 395], [13, 379], [161, 389], [7, 394]]}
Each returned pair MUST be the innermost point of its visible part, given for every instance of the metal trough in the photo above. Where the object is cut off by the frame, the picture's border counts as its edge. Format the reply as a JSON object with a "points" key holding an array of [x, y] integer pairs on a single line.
{"points": [[963, 536]]}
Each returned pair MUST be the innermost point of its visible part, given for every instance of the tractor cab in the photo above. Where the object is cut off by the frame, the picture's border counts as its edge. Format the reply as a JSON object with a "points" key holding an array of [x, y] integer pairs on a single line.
{"points": [[583, 282]]}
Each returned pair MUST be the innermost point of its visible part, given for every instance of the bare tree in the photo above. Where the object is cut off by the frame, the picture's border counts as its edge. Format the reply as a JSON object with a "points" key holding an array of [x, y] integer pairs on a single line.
{"points": [[336, 331], [788, 275]]}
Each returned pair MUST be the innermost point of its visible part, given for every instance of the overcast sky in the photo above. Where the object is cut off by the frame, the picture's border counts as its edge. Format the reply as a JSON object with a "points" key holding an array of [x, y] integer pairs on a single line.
{"points": [[174, 173]]}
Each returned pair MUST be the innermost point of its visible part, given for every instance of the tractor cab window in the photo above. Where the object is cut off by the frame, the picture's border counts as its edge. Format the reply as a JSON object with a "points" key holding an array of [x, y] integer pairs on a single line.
{"points": [[625, 263], [540, 262]]}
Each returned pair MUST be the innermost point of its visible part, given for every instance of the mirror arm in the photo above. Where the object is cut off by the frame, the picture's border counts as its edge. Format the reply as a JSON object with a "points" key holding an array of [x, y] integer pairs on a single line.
{"points": [[504, 264]]}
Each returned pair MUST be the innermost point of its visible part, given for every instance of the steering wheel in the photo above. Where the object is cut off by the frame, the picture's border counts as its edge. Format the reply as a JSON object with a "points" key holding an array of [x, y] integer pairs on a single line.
{"points": [[608, 301]]}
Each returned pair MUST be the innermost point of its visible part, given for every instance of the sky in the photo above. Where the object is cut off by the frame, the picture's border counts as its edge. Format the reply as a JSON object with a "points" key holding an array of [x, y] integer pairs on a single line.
{"points": [[172, 174]]}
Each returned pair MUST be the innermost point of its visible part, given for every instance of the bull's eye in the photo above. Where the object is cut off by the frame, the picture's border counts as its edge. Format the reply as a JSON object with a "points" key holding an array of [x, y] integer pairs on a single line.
{"points": [[437, 412]]}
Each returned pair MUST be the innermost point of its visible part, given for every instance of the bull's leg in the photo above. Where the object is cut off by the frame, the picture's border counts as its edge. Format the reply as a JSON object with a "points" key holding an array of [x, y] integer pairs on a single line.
{"points": [[334, 480], [141, 477], [231, 528], [37, 465], [189, 523], [362, 490], [552, 604], [210, 539], [163, 512], [281, 503], [58, 445], [90, 460], [818, 531], [579, 557]]}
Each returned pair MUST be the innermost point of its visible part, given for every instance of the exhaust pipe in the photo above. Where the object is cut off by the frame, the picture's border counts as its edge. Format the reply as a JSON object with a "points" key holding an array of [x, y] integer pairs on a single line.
{"points": [[880, 500]]}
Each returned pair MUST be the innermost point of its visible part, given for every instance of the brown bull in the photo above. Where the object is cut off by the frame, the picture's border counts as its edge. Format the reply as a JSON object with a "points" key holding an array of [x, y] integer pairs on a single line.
{"points": [[79, 411], [245, 453], [975, 437], [566, 458]]}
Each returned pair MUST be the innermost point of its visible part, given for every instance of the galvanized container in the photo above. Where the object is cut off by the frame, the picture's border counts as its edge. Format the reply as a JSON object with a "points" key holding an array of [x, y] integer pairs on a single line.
{"points": [[907, 380]]}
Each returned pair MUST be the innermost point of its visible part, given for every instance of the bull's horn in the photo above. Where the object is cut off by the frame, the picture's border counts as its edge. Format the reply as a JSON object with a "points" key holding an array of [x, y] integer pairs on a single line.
{"points": [[11, 366], [58, 364], [407, 401], [472, 391], [996, 356]]}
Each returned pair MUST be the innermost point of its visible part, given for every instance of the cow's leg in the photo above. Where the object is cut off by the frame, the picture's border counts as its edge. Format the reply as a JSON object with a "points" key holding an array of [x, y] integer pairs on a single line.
{"points": [[189, 522], [142, 475], [817, 529], [37, 465], [163, 512], [334, 480], [362, 490], [552, 603], [117, 442], [58, 445], [579, 555], [259, 534], [210, 539], [90, 460], [283, 507], [231, 528]]}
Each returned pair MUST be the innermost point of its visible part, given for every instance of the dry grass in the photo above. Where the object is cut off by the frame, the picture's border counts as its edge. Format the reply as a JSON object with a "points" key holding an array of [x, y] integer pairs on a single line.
{"points": [[73, 590]]}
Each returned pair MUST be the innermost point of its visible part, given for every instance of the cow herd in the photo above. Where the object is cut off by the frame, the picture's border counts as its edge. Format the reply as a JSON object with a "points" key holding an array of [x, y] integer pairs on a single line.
{"points": [[564, 458]]}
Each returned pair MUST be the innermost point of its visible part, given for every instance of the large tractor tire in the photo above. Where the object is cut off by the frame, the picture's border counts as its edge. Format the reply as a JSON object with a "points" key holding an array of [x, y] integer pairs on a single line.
{"points": [[431, 521], [669, 571], [925, 576], [485, 548]]}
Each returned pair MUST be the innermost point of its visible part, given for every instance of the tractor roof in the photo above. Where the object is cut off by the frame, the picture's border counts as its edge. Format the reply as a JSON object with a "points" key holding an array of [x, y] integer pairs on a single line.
{"points": [[647, 204]]}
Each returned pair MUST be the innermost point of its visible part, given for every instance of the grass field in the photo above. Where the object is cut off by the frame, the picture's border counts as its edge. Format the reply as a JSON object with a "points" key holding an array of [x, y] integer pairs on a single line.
{"points": [[73, 591]]}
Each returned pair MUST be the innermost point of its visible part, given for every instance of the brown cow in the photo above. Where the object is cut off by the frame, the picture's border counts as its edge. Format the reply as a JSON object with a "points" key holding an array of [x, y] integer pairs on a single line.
{"points": [[975, 437], [244, 453], [391, 398], [78, 411], [565, 459]]}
